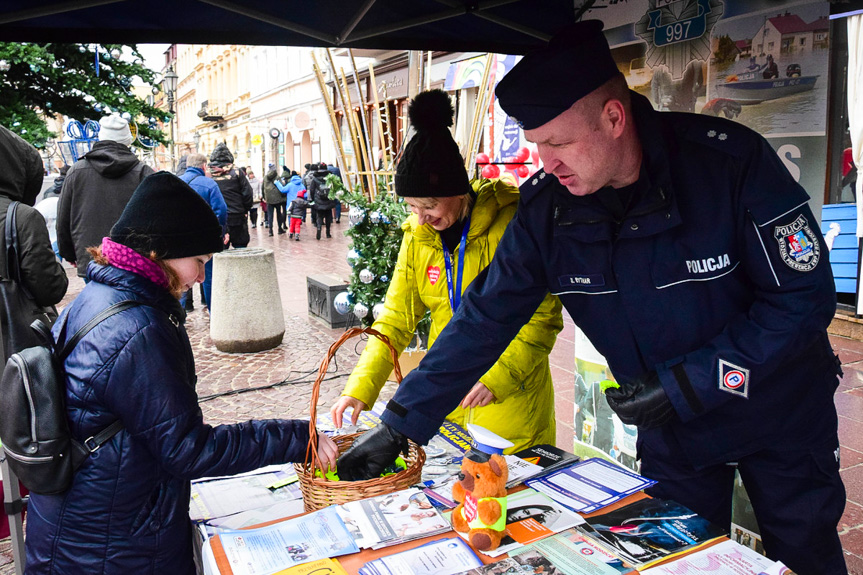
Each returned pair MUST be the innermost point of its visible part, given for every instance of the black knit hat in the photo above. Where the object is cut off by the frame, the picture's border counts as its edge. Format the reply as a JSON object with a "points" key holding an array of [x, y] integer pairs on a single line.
{"points": [[431, 165], [168, 217]]}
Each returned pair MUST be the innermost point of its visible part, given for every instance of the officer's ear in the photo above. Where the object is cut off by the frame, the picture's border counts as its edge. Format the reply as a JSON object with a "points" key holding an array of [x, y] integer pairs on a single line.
{"points": [[614, 116]]}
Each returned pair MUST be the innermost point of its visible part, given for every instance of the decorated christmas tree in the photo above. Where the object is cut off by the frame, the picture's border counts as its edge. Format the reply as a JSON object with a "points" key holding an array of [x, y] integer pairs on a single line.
{"points": [[376, 235]]}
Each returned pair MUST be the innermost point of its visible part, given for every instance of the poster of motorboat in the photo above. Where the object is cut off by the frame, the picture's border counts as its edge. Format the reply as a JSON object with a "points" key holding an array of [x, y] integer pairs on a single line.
{"points": [[774, 66]]}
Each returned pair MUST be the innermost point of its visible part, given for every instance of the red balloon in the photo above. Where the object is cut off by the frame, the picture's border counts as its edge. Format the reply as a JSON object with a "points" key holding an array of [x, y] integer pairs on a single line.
{"points": [[482, 158], [534, 155], [512, 164], [490, 171], [522, 171], [522, 155]]}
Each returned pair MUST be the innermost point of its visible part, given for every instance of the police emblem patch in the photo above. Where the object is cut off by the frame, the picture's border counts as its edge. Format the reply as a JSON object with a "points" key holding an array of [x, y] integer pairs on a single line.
{"points": [[733, 379], [798, 246]]}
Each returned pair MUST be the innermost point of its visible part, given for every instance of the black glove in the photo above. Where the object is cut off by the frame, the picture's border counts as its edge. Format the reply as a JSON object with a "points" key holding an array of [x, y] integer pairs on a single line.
{"points": [[371, 453], [641, 402]]}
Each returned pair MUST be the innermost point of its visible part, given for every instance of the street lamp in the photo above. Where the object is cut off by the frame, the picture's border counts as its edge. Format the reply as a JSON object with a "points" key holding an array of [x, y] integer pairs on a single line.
{"points": [[169, 85]]}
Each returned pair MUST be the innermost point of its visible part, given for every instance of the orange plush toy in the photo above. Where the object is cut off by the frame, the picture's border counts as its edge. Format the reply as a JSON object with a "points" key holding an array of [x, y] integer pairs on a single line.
{"points": [[481, 493]]}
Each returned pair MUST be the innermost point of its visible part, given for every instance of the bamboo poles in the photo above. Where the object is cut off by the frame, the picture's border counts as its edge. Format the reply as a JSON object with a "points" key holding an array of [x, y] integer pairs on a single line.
{"points": [[348, 110], [334, 124], [384, 156], [482, 102], [366, 131]]}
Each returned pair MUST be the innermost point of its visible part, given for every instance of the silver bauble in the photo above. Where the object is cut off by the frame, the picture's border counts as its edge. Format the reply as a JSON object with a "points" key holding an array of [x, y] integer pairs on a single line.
{"points": [[342, 303], [361, 310], [375, 217], [377, 310], [353, 257], [367, 276], [356, 215]]}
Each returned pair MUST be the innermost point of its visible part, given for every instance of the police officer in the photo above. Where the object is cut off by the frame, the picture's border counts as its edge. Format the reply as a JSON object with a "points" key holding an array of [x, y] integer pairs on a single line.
{"points": [[689, 256]]}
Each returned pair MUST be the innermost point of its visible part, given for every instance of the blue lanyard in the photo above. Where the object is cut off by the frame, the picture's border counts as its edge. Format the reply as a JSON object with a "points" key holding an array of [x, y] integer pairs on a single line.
{"points": [[455, 294]]}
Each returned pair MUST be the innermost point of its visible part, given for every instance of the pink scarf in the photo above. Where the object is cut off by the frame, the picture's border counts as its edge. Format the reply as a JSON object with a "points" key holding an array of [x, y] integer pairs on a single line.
{"points": [[126, 258]]}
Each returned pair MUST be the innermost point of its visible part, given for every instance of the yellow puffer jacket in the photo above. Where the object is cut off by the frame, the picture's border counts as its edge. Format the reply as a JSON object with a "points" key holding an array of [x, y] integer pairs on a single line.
{"points": [[520, 380]]}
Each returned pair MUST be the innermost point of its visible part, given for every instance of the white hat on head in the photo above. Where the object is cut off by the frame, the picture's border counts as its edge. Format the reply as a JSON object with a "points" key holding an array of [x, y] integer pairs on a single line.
{"points": [[113, 128]]}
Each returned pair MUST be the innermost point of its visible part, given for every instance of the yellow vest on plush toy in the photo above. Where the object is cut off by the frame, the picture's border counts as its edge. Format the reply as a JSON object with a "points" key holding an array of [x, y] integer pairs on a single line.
{"points": [[481, 493]]}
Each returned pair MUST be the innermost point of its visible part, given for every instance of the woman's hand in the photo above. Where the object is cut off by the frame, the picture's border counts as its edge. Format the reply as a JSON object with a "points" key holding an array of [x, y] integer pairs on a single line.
{"points": [[328, 453], [343, 403], [478, 396]]}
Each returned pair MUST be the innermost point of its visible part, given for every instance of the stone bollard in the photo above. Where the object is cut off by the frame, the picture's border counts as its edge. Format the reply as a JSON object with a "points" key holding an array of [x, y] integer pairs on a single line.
{"points": [[242, 280]]}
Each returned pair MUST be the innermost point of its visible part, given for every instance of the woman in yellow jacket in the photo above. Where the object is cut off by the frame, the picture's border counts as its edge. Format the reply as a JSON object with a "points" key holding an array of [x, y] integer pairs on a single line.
{"points": [[448, 240]]}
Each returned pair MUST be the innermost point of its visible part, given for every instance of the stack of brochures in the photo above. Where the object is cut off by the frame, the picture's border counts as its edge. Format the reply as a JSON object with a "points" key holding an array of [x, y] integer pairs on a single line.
{"points": [[392, 519], [447, 556], [531, 516], [249, 498], [590, 485], [650, 530], [725, 557], [270, 549], [536, 461], [565, 553]]}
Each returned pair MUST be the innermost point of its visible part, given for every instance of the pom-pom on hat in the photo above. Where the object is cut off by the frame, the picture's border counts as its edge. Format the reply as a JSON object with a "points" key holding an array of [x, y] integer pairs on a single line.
{"points": [[168, 217], [431, 165], [113, 128], [546, 82]]}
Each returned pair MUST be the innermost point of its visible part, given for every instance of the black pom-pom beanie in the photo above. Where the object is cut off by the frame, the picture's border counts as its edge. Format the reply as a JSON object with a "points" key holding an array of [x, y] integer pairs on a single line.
{"points": [[168, 217], [431, 165]]}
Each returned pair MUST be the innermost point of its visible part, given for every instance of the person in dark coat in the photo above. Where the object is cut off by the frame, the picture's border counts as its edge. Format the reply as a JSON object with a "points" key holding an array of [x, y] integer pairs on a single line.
{"points": [[334, 170], [96, 190], [275, 202], [688, 254], [237, 192], [322, 203], [21, 181], [54, 191], [127, 510]]}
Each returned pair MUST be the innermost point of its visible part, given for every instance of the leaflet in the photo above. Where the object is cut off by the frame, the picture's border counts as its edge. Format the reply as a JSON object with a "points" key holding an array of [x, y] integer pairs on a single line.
{"points": [[270, 549], [227, 496], [590, 485], [726, 558], [392, 518], [442, 557]]}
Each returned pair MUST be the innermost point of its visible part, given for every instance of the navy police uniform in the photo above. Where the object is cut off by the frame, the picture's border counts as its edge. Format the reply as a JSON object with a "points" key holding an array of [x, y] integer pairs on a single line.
{"points": [[715, 278]]}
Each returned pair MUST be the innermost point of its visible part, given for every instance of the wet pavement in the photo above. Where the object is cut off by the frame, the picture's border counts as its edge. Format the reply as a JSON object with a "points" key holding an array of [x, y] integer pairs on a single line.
{"points": [[278, 383]]}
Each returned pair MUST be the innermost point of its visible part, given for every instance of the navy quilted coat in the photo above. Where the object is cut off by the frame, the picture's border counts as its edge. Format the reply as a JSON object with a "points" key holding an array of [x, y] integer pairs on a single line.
{"points": [[127, 510]]}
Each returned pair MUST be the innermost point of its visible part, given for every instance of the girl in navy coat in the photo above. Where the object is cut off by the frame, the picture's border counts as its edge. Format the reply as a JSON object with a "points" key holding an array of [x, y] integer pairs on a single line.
{"points": [[127, 510]]}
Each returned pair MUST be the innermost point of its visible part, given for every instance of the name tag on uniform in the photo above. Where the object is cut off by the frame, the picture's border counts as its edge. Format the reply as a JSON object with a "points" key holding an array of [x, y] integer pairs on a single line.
{"points": [[589, 280]]}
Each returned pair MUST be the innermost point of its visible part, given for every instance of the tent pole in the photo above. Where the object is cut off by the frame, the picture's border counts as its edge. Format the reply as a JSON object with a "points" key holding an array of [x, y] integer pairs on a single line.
{"points": [[361, 13], [274, 20]]}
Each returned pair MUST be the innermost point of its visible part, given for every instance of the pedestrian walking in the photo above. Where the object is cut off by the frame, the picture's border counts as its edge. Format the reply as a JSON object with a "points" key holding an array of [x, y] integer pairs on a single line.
{"points": [[236, 191], [96, 189]]}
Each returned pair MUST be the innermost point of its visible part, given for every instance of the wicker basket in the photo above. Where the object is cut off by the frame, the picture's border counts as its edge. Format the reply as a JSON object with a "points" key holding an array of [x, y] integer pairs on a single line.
{"points": [[320, 492]]}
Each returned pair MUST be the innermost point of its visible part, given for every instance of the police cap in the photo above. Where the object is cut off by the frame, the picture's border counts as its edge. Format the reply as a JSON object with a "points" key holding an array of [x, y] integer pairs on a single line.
{"points": [[546, 82]]}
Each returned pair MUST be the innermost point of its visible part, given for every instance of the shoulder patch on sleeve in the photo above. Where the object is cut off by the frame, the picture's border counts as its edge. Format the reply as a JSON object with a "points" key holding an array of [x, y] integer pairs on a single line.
{"points": [[733, 379], [798, 246]]}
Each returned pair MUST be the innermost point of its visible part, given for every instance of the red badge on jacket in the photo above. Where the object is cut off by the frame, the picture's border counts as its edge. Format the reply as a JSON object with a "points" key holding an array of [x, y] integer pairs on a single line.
{"points": [[433, 273]]}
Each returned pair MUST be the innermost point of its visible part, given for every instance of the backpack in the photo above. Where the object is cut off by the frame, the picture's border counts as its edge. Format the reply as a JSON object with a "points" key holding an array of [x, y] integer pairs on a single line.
{"points": [[33, 423]]}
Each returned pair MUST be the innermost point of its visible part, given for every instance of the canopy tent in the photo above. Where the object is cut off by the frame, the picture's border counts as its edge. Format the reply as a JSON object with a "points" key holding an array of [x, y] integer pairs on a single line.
{"points": [[504, 26]]}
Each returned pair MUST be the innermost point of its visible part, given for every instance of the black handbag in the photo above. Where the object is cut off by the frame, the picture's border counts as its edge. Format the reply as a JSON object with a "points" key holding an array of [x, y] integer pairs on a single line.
{"points": [[18, 309]]}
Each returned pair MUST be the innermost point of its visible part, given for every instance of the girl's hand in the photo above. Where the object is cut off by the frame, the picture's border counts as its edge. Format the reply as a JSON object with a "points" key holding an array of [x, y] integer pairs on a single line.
{"points": [[328, 453]]}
